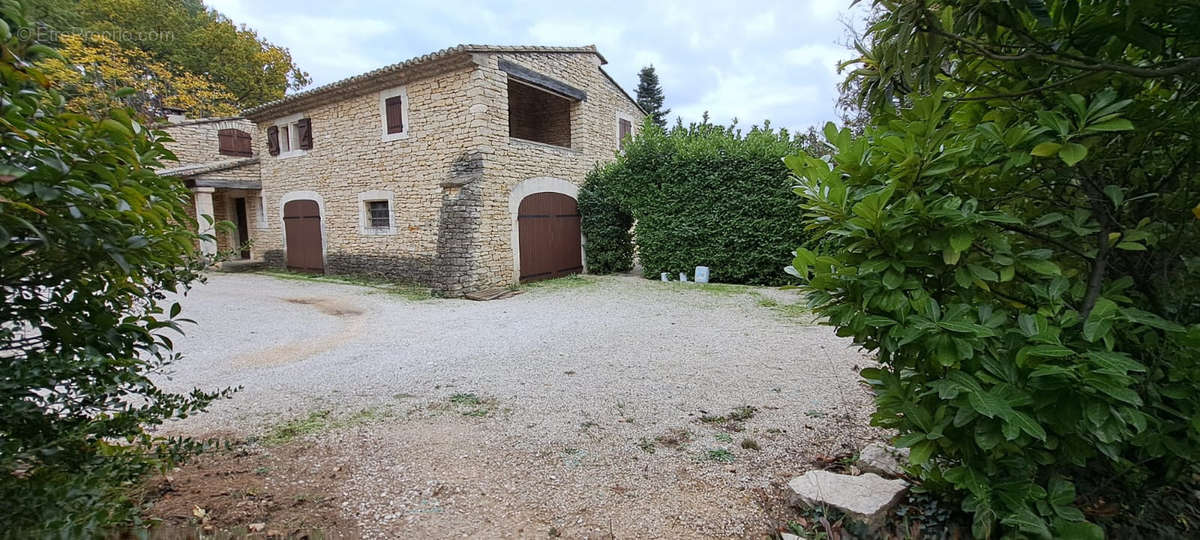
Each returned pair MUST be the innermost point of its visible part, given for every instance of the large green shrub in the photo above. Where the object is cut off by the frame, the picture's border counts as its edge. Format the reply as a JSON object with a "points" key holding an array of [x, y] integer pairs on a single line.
{"points": [[607, 227], [91, 240], [1014, 236], [706, 195]]}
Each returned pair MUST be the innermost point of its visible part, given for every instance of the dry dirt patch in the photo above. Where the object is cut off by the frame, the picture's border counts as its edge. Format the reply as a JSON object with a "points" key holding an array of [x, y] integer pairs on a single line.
{"points": [[351, 328]]}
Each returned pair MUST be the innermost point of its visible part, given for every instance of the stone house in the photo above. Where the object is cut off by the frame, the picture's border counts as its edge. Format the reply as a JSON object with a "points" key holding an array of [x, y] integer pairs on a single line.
{"points": [[458, 169]]}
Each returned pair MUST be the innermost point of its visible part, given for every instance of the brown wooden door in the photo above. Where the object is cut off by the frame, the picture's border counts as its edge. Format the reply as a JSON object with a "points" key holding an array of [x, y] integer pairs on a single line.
{"points": [[548, 232], [302, 228]]}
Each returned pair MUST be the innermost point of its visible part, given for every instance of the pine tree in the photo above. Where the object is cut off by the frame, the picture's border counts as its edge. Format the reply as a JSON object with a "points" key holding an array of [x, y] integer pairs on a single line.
{"points": [[650, 96]]}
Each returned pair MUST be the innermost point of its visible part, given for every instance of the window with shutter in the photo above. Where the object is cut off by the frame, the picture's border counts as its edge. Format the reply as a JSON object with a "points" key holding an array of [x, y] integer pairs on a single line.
{"points": [[624, 129], [233, 142], [304, 133], [285, 139], [395, 114], [273, 141]]}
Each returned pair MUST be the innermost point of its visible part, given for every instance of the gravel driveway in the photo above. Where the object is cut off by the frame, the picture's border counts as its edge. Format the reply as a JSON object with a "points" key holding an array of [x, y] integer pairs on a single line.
{"points": [[584, 407]]}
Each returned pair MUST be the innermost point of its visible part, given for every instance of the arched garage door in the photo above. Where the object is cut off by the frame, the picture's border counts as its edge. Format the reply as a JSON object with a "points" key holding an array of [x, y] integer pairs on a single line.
{"points": [[302, 229], [548, 226]]}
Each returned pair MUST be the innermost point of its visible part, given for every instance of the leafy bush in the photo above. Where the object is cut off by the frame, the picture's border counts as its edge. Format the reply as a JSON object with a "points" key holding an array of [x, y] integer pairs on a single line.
{"points": [[704, 195], [91, 239], [1016, 241], [606, 226]]}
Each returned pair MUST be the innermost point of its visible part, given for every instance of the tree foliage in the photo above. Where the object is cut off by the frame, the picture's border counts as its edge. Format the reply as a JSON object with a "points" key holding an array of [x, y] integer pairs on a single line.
{"points": [[183, 36], [701, 195], [1016, 235], [650, 96], [91, 241], [92, 68]]}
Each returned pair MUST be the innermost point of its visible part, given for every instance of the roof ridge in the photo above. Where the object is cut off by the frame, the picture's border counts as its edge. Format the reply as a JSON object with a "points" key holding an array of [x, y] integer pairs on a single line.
{"points": [[391, 68]]}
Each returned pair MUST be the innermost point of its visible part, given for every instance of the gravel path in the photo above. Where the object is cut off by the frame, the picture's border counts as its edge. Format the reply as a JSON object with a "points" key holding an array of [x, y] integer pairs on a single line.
{"points": [[592, 401]]}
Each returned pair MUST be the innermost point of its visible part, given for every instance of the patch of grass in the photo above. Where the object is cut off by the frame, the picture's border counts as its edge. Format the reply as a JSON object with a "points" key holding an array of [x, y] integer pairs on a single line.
{"points": [[317, 422], [285, 432], [720, 455], [262, 471], [724, 437], [731, 420], [469, 404], [572, 281], [744, 412], [767, 302], [813, 413], [469, 400], [646, 445], [750, 444], [406, 290]]}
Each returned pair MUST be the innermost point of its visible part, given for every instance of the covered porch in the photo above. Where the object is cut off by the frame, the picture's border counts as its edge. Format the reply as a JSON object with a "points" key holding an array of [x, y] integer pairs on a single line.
{"points": [[227, 203]]}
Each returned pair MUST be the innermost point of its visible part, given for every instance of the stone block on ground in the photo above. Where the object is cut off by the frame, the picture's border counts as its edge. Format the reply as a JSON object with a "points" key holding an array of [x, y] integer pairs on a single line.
{"points": [[865, 498], [882, 459]]}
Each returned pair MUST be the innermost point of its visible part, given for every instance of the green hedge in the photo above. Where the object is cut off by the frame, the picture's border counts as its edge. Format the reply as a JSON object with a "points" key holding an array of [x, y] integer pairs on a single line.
{"points": [[609, 242], [700, 195]]}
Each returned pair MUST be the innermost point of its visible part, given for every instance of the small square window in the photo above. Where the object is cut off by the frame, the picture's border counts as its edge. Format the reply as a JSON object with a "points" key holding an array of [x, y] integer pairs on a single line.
{"points": [[379, 216]]}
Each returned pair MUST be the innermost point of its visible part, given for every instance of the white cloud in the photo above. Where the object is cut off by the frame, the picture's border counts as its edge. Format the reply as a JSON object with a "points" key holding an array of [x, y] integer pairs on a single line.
{"points": [[753, 60]]}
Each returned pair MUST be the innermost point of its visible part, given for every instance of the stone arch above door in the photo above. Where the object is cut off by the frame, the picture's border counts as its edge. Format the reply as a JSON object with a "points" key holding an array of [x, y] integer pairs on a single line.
{"points": [[540, 184]]}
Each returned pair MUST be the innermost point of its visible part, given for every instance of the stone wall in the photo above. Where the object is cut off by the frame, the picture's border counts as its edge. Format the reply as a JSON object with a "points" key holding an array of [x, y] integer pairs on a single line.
{"points": [[350, 156], [593, 140], [449, 178], [196, 140]]}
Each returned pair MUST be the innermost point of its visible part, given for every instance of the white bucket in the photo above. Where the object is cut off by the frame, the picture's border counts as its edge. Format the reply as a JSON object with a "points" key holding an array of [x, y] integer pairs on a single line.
{"points": [[666, 277], [701, 274]]}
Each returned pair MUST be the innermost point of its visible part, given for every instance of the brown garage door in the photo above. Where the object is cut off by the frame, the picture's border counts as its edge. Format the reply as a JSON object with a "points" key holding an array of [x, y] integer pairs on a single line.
{"points": [[548, 229], [302, 227]]}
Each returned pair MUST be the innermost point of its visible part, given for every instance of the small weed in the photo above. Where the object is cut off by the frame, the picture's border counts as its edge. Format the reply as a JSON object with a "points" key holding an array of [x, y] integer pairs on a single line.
{"points": [[720, 455], [767, 303], [813, 413], [569, 372], [646, 445], [588, 425], [750, 444], [469, 404], [262, 471], [469, 400], [627, 420], [744, 412], [674, 438], [403, 395], [774, 431], [724, 437], [732, 421]]}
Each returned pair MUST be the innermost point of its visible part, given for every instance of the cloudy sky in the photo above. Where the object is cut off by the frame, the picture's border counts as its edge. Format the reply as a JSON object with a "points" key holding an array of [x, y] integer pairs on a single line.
{"points": [[748, 59]]}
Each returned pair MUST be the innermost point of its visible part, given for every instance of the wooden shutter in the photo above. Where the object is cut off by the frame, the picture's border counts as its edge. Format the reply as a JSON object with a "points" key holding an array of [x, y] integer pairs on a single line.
{"points": [[395, 114], [623, 130], [273, 140], [225, 142], [234, 142], [242, 143], [304, 133]]}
